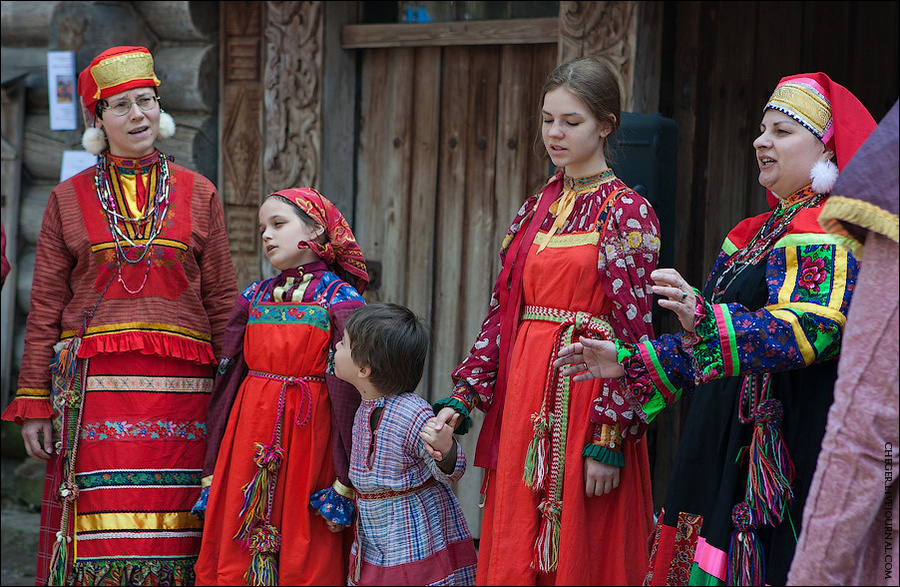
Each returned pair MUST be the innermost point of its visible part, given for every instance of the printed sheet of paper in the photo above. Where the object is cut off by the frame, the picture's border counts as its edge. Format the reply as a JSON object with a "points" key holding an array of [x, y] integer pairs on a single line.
{"points": [[74, 162], [61, 80]]}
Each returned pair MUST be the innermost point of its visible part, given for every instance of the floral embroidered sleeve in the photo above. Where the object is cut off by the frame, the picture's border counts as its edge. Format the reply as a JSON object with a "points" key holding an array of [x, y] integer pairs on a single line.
{"points": [[475, 377], [629, 253], [810, 279]]}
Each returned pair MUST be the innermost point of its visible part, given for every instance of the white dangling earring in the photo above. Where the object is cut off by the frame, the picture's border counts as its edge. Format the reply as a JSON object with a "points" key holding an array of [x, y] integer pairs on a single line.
{"points": [[93, 140], [823, 175], [166, 125]]}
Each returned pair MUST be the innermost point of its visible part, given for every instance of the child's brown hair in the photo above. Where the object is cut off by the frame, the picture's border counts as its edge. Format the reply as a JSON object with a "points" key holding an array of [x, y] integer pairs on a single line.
{"points": [[392, 341]]}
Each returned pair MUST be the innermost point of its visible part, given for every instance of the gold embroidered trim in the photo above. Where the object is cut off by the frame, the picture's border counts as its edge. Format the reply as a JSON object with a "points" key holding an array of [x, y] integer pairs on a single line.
{"points": [[803, 102], [122, 68]]}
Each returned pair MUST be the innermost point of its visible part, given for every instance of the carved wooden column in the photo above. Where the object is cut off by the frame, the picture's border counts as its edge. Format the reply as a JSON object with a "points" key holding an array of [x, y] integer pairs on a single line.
{"points": [[241, 142], [293, 91], [605, 30]]}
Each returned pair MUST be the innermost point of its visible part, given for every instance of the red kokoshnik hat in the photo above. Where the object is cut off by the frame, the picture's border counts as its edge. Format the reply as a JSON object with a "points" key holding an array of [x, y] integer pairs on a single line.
{"points": [[116, 70], [341, 250], [828, 110]]}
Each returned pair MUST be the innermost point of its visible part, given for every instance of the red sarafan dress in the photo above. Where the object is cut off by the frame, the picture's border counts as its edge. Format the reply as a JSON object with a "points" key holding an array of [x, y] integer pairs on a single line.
{"points": [[282, 402], [594, 271]]}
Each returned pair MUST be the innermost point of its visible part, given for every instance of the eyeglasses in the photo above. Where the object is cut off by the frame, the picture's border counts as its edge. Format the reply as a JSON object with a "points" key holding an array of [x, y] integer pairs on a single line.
{"points": [[123, 107]]}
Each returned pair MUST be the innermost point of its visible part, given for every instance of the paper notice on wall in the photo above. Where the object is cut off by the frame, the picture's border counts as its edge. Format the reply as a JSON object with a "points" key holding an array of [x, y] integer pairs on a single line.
{"points": [[61, 80], [74, 162]]}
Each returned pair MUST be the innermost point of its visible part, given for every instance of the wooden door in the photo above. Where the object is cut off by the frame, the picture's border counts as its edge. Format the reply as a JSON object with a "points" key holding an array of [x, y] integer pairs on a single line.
{"points": [[445, 160]]}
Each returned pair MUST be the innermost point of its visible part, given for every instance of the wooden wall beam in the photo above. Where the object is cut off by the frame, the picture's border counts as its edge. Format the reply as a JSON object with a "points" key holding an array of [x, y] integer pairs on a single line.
{"points": [[444, 34]]}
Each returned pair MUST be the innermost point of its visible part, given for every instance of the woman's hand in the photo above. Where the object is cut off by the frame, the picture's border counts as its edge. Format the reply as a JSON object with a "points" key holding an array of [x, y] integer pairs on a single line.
{"points": [[590, 359], [32, 431], [600, 478], [677, 295]]}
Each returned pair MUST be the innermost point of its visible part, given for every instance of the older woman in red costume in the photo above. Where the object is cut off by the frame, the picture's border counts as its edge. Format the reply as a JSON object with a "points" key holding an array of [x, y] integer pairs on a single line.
{"points": [[133, 285]]}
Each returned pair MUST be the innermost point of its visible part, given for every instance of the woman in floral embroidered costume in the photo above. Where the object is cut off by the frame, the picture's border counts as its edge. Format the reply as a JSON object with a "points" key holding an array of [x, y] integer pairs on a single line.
{"points": [[133, 284], [567, 482], [757, 353]]}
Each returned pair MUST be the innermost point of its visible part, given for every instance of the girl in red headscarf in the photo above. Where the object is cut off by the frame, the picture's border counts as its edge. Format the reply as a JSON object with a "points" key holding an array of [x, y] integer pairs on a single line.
{"points": [[280, 422]]}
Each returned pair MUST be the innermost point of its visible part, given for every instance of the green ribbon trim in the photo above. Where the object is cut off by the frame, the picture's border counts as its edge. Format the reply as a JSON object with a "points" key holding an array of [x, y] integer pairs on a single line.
{"points": [[604, 455], [452, 402]]}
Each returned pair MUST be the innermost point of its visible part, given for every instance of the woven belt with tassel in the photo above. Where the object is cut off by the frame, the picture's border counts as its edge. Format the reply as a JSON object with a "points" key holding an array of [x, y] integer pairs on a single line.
{"points": [[768, 495], [256, 531], [545, 459]]}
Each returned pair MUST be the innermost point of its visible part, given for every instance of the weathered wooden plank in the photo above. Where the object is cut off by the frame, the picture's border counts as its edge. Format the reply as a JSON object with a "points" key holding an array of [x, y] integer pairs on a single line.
{"points": [[450, 218], [787, 53], [395, 153], [515, 100], [873, 38], [544, 61], [339, 85], [486, 32], [422, 193], [478, 229], [729, 114], [480, 213], [369, 229]]}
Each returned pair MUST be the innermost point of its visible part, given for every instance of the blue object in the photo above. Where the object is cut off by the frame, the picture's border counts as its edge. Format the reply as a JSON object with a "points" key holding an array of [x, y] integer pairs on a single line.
{"points": [[199, 509], [333, 506]]}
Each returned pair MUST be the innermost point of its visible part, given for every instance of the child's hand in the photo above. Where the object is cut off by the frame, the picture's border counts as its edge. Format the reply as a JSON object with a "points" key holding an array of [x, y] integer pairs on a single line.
{"points": [[334, 527], [438, 440]]}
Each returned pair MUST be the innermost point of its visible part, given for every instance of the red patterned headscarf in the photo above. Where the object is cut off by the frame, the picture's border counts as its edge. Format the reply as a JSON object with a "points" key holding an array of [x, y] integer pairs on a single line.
{"points": [[341, 252]]}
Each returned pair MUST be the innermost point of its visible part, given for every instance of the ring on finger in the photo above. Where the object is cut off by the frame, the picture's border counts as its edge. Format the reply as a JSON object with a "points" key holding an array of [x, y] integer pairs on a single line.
{"points": [[683, 296]]}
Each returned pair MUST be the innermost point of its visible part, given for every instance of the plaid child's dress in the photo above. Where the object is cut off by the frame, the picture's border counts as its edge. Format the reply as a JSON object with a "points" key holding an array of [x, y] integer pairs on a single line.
{"points": [[410, 528]]}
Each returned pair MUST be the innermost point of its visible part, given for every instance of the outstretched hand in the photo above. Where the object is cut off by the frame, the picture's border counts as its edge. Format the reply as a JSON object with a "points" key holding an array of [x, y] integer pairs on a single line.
{"points": [[677, 295], [589, 359]]}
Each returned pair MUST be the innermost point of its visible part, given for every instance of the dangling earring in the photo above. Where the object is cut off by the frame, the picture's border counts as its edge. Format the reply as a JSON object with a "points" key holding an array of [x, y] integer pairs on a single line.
{"points": [[823, 175], [94, 140], [166, 125]]}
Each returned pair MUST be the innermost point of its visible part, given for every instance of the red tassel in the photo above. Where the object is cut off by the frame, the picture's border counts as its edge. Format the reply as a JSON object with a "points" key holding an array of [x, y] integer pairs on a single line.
{"points": [[546, 547]]}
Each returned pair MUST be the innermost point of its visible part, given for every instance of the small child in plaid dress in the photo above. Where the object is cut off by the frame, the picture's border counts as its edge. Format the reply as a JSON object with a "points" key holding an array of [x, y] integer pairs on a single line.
{"points": [[410, 528]]}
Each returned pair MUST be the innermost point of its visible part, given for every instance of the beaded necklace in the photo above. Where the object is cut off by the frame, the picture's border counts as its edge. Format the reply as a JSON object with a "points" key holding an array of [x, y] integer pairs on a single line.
{"points": [[146, 227], [766, 237]]}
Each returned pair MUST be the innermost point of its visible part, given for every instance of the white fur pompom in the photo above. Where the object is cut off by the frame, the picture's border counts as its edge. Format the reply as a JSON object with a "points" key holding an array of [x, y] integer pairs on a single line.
{"points": [[93, 140], [823, 175], [166, 125]]}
